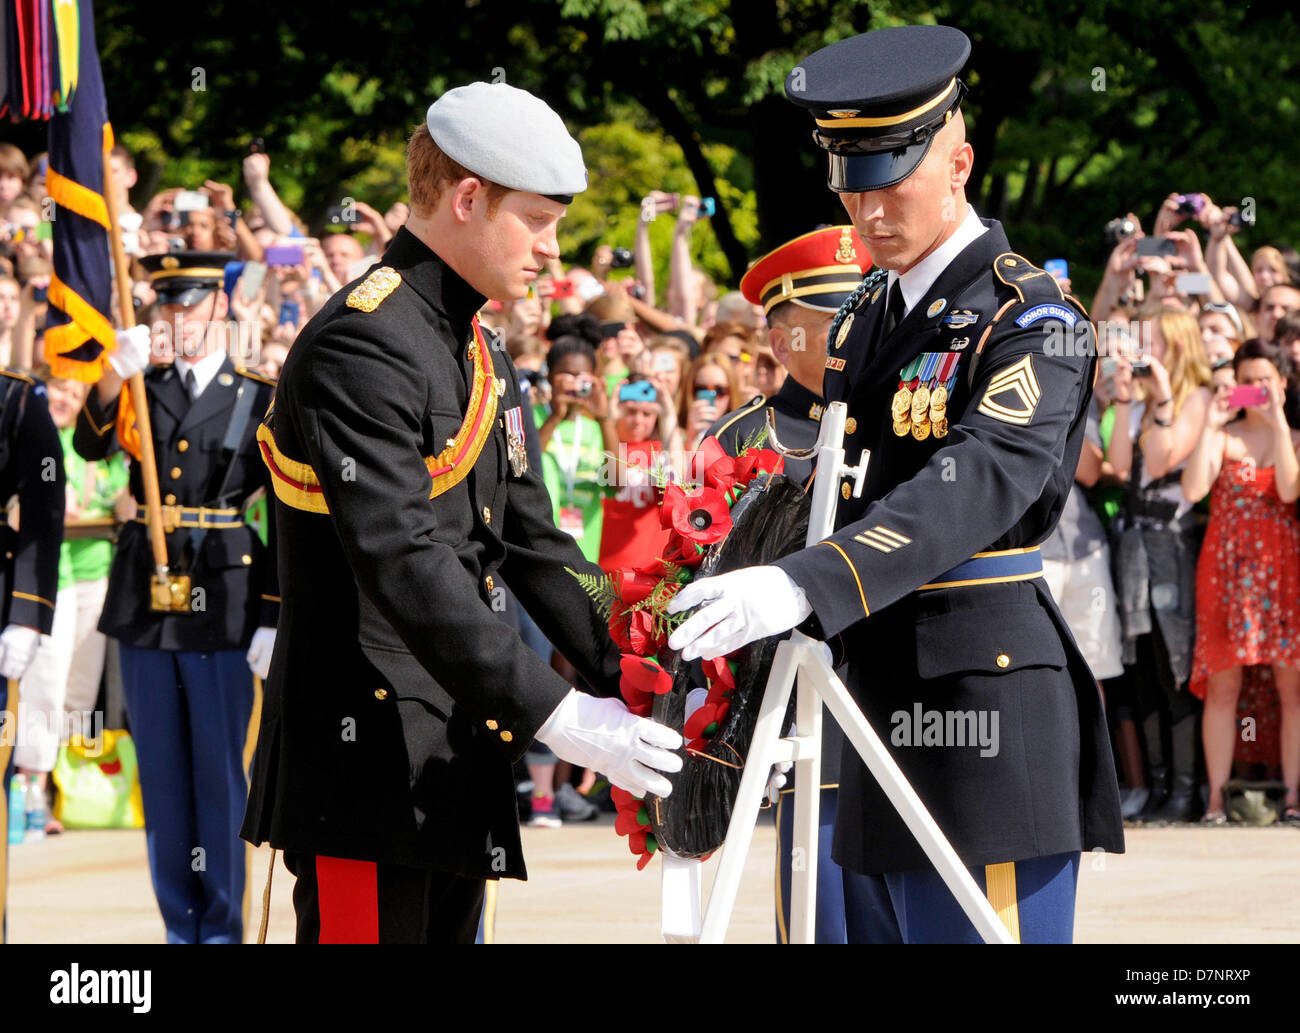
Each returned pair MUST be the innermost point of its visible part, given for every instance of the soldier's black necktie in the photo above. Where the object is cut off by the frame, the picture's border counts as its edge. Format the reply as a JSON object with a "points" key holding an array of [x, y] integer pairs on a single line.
{"points": [[893, 310], [191, 385]]}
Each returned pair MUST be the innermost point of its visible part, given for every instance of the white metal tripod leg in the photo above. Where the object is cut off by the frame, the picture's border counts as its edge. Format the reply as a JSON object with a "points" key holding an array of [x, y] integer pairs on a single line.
{"points": [[681, 896], [807, 803], [909, 806], [764, 750]]}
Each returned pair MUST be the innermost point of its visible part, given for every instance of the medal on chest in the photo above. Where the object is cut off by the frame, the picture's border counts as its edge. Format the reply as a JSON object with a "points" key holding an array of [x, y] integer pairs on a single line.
{"points": [[516, 450], [920, 405]]}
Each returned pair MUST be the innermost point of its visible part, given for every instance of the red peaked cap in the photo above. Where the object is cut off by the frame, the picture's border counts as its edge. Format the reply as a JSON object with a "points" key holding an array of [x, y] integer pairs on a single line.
{"points": [[819, 270]]}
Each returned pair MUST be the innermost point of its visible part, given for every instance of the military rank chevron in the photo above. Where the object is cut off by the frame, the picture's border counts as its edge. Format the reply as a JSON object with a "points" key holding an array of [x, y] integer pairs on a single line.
{"points": [[1013, 394]]}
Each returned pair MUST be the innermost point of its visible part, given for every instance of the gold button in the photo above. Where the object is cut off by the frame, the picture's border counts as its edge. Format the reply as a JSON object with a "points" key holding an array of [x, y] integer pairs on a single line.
{"points": [[176, 473], [182, 445], [506, 736], [1003, 660], [381, 693], [850, 426], [170, 499], [492, 726], [845, 490], [489, 582], [246, 559], [487, 515]]}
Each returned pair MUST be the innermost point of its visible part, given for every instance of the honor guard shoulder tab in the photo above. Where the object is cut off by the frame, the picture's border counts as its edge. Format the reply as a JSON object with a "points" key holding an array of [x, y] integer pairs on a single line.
{"points": [[16, 375], [368, 294], [1026, 279], [244, 371], [753, 405]]}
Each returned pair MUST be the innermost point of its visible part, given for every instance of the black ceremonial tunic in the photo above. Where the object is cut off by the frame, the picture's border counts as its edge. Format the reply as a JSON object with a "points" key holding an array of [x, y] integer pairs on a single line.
{"points": [[397, 701]]}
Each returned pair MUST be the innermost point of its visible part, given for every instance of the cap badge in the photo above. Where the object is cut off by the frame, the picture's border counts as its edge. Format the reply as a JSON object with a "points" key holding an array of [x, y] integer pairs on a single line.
{"points": [[936, 308], [843, 333], [846, 251], [170, 262], [843, 113]]}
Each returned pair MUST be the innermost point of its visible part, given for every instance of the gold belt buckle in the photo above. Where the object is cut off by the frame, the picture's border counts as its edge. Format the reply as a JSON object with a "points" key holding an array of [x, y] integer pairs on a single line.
{"points": [[171, 518]]}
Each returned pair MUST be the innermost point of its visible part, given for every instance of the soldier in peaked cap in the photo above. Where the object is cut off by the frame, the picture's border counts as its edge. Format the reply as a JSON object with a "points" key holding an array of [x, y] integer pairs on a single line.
{"points": [[397, 702], [189, 659], [967, 373], [801, 286]]}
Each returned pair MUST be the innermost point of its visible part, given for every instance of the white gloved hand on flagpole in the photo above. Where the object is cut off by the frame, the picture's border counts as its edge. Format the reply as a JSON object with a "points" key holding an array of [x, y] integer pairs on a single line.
{"points": [[132, 352], [736, 609], [18, 646]]}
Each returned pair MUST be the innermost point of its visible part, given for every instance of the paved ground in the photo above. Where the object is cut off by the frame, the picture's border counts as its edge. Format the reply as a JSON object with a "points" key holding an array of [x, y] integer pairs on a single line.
{"points": [[1178, 885]]}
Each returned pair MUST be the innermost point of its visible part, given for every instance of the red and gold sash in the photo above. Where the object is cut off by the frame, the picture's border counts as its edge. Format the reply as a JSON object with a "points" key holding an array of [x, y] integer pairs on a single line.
{"points": [[297, 485]]}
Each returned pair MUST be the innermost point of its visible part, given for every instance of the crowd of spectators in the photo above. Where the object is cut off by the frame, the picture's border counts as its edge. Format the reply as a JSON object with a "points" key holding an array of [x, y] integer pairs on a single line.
{"points": [[1177, 561]]}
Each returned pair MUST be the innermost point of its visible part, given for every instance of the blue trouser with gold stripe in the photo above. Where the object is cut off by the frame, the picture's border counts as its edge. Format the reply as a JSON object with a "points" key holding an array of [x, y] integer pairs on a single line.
{"points": [[190, 717], [1034, 899], [849, 908], [9, 708]]}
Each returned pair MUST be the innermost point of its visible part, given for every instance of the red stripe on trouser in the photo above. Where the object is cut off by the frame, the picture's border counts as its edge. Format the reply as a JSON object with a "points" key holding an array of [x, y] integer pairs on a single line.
{"points": [[347, 894]]}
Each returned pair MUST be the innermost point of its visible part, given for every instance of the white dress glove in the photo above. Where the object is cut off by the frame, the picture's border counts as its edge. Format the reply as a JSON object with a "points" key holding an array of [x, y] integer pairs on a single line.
{"points": [[260, 650], [736, 609], [601, 734], [777, 779], [18, 645], [132, 352]]}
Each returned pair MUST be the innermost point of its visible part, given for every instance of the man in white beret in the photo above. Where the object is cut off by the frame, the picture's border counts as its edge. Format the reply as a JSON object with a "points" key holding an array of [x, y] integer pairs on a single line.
{"points": [[397, 701]]}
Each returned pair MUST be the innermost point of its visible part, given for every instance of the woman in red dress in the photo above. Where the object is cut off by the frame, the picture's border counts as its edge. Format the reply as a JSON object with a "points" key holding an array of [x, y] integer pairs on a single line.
{"points": [[1248, 577]]}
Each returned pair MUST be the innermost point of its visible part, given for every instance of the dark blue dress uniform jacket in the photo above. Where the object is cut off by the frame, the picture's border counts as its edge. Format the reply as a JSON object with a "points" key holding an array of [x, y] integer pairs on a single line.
{"points": [[31, 467], [233, 577], [397, 701], [997, 481]]}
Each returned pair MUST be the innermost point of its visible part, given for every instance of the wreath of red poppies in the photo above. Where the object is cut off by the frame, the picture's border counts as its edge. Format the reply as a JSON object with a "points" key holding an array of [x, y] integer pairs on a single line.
{"points": [[635, 603]]}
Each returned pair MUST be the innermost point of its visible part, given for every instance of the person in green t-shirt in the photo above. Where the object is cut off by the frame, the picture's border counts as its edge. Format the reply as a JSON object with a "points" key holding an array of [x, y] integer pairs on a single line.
{"points": [[577, 439], [59, 690]]}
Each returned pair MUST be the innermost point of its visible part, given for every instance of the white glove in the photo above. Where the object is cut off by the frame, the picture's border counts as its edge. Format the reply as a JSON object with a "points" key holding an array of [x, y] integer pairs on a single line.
{"points": [[601, 734], [777, 779], [132, 352], [738, 608], [18, 645], [260, 650]]}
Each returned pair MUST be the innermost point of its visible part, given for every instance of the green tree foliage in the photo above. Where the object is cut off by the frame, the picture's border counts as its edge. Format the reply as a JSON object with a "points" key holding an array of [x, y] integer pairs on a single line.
{"points": [[687, 94]]}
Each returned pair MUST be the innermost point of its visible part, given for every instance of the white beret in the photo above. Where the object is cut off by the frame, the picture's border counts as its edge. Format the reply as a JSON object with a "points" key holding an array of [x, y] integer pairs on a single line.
{"points": [[510, 137]]}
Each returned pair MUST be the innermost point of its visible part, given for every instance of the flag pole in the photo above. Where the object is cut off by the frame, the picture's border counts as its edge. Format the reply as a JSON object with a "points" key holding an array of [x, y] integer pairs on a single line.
{"points": [[140, 401]]}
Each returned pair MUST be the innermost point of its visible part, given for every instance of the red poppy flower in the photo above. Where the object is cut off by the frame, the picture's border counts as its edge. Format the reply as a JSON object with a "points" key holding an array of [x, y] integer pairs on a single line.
{"points": [[719, 672], [709, 452], [697, 745], [643, 860], [702, 517], [673, 496], [632, 586], [721, 475], [624, 800], [643, 676], [626, 823], [641, 633], [756, 461], [636, 841], [700, 720], [682, 552], [618, 631]]}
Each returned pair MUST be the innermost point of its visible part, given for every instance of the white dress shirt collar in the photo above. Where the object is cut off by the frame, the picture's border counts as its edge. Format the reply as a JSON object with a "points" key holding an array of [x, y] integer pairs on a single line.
{"points": [[918, 280], [204, 369]]}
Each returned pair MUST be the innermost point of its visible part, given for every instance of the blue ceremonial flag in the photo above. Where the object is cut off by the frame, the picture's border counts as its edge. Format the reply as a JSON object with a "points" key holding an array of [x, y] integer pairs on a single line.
{"points": [[79, 330]]}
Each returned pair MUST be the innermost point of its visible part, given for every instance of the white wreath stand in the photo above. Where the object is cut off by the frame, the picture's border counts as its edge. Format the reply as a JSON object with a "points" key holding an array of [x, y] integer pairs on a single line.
{"points": [[802, 657]]}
